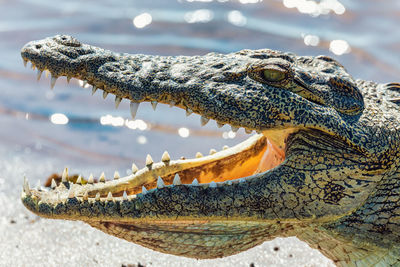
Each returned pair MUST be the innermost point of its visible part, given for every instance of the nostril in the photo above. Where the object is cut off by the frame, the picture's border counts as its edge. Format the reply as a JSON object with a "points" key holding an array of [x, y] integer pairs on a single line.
{"points": [[38, 46], [66, 40]]}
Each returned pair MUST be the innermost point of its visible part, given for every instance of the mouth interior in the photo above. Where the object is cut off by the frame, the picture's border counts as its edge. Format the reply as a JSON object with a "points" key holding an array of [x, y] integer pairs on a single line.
{"points": [[255, 155]]}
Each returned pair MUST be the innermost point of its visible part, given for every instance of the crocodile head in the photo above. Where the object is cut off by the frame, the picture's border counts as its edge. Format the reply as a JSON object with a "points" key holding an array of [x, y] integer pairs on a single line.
{"points": [[318, 155]]}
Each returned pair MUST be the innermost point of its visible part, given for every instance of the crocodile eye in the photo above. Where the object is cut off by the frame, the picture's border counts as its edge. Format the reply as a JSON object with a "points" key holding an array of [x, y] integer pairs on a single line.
{"points": [[273, 71], [273, 75]]}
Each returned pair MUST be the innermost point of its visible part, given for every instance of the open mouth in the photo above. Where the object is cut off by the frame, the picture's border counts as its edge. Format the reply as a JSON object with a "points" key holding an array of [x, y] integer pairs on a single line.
{"points": [[306, 166], [258, 154]]}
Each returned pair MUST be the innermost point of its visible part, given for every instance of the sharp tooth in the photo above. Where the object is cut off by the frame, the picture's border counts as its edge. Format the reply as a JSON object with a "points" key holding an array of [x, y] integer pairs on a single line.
{"points": [[53, 184], [212, 151], [134, 108], [79, 180], [53, 81], [220, 125], [134, 168], [199, 155], [229, 182], [71, 193], [172, 103], [234, 129], [38, 186], [105, 94], [195, 182], [160, 182], [213, 184], [68, 79], [47, 73], [204, 120], [102, 178], [116, 175], [62, 186], [110, 197], [97, 198], [248, 131], [225, 147], [188, 111], [85, 195], [84, 83], [165, 157], [144, 190], [38, 74], [241, 180], [25, 62], [149, 161], [154, 104], [94, 89], [26, 187], [64, 177], [177, 180], [90, 180], [125, 195], [117, 101]]}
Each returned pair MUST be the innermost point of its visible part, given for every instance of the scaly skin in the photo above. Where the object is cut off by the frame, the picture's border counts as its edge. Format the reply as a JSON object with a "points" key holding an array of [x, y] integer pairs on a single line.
{"points": [[325, 169]]}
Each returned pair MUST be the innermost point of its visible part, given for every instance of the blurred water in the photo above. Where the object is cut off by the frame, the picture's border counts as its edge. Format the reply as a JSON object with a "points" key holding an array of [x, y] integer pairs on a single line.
{"points": [[364, 35]]}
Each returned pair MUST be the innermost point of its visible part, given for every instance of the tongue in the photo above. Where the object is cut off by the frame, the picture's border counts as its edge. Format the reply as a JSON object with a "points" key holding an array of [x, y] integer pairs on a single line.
{"points": [[272, 157]]}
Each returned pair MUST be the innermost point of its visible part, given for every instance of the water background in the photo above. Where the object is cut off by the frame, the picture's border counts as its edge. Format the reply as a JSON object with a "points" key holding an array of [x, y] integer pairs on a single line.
{"points": [[363, 35]]}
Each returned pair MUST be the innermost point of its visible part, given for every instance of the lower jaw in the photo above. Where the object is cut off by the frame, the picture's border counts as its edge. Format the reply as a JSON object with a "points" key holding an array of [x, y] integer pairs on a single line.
{"points": [[255, 155]]}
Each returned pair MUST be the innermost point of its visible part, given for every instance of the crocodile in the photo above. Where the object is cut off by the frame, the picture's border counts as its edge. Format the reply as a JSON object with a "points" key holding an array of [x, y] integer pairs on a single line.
{"points": [[321, 163]]}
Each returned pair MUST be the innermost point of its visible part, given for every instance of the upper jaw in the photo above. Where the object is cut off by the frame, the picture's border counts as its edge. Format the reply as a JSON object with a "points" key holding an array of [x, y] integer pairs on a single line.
{"points": [[215, 86]]}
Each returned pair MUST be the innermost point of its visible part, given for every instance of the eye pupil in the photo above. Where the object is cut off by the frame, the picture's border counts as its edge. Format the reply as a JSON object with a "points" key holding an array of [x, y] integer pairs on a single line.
{"points": [[273, 75]]}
